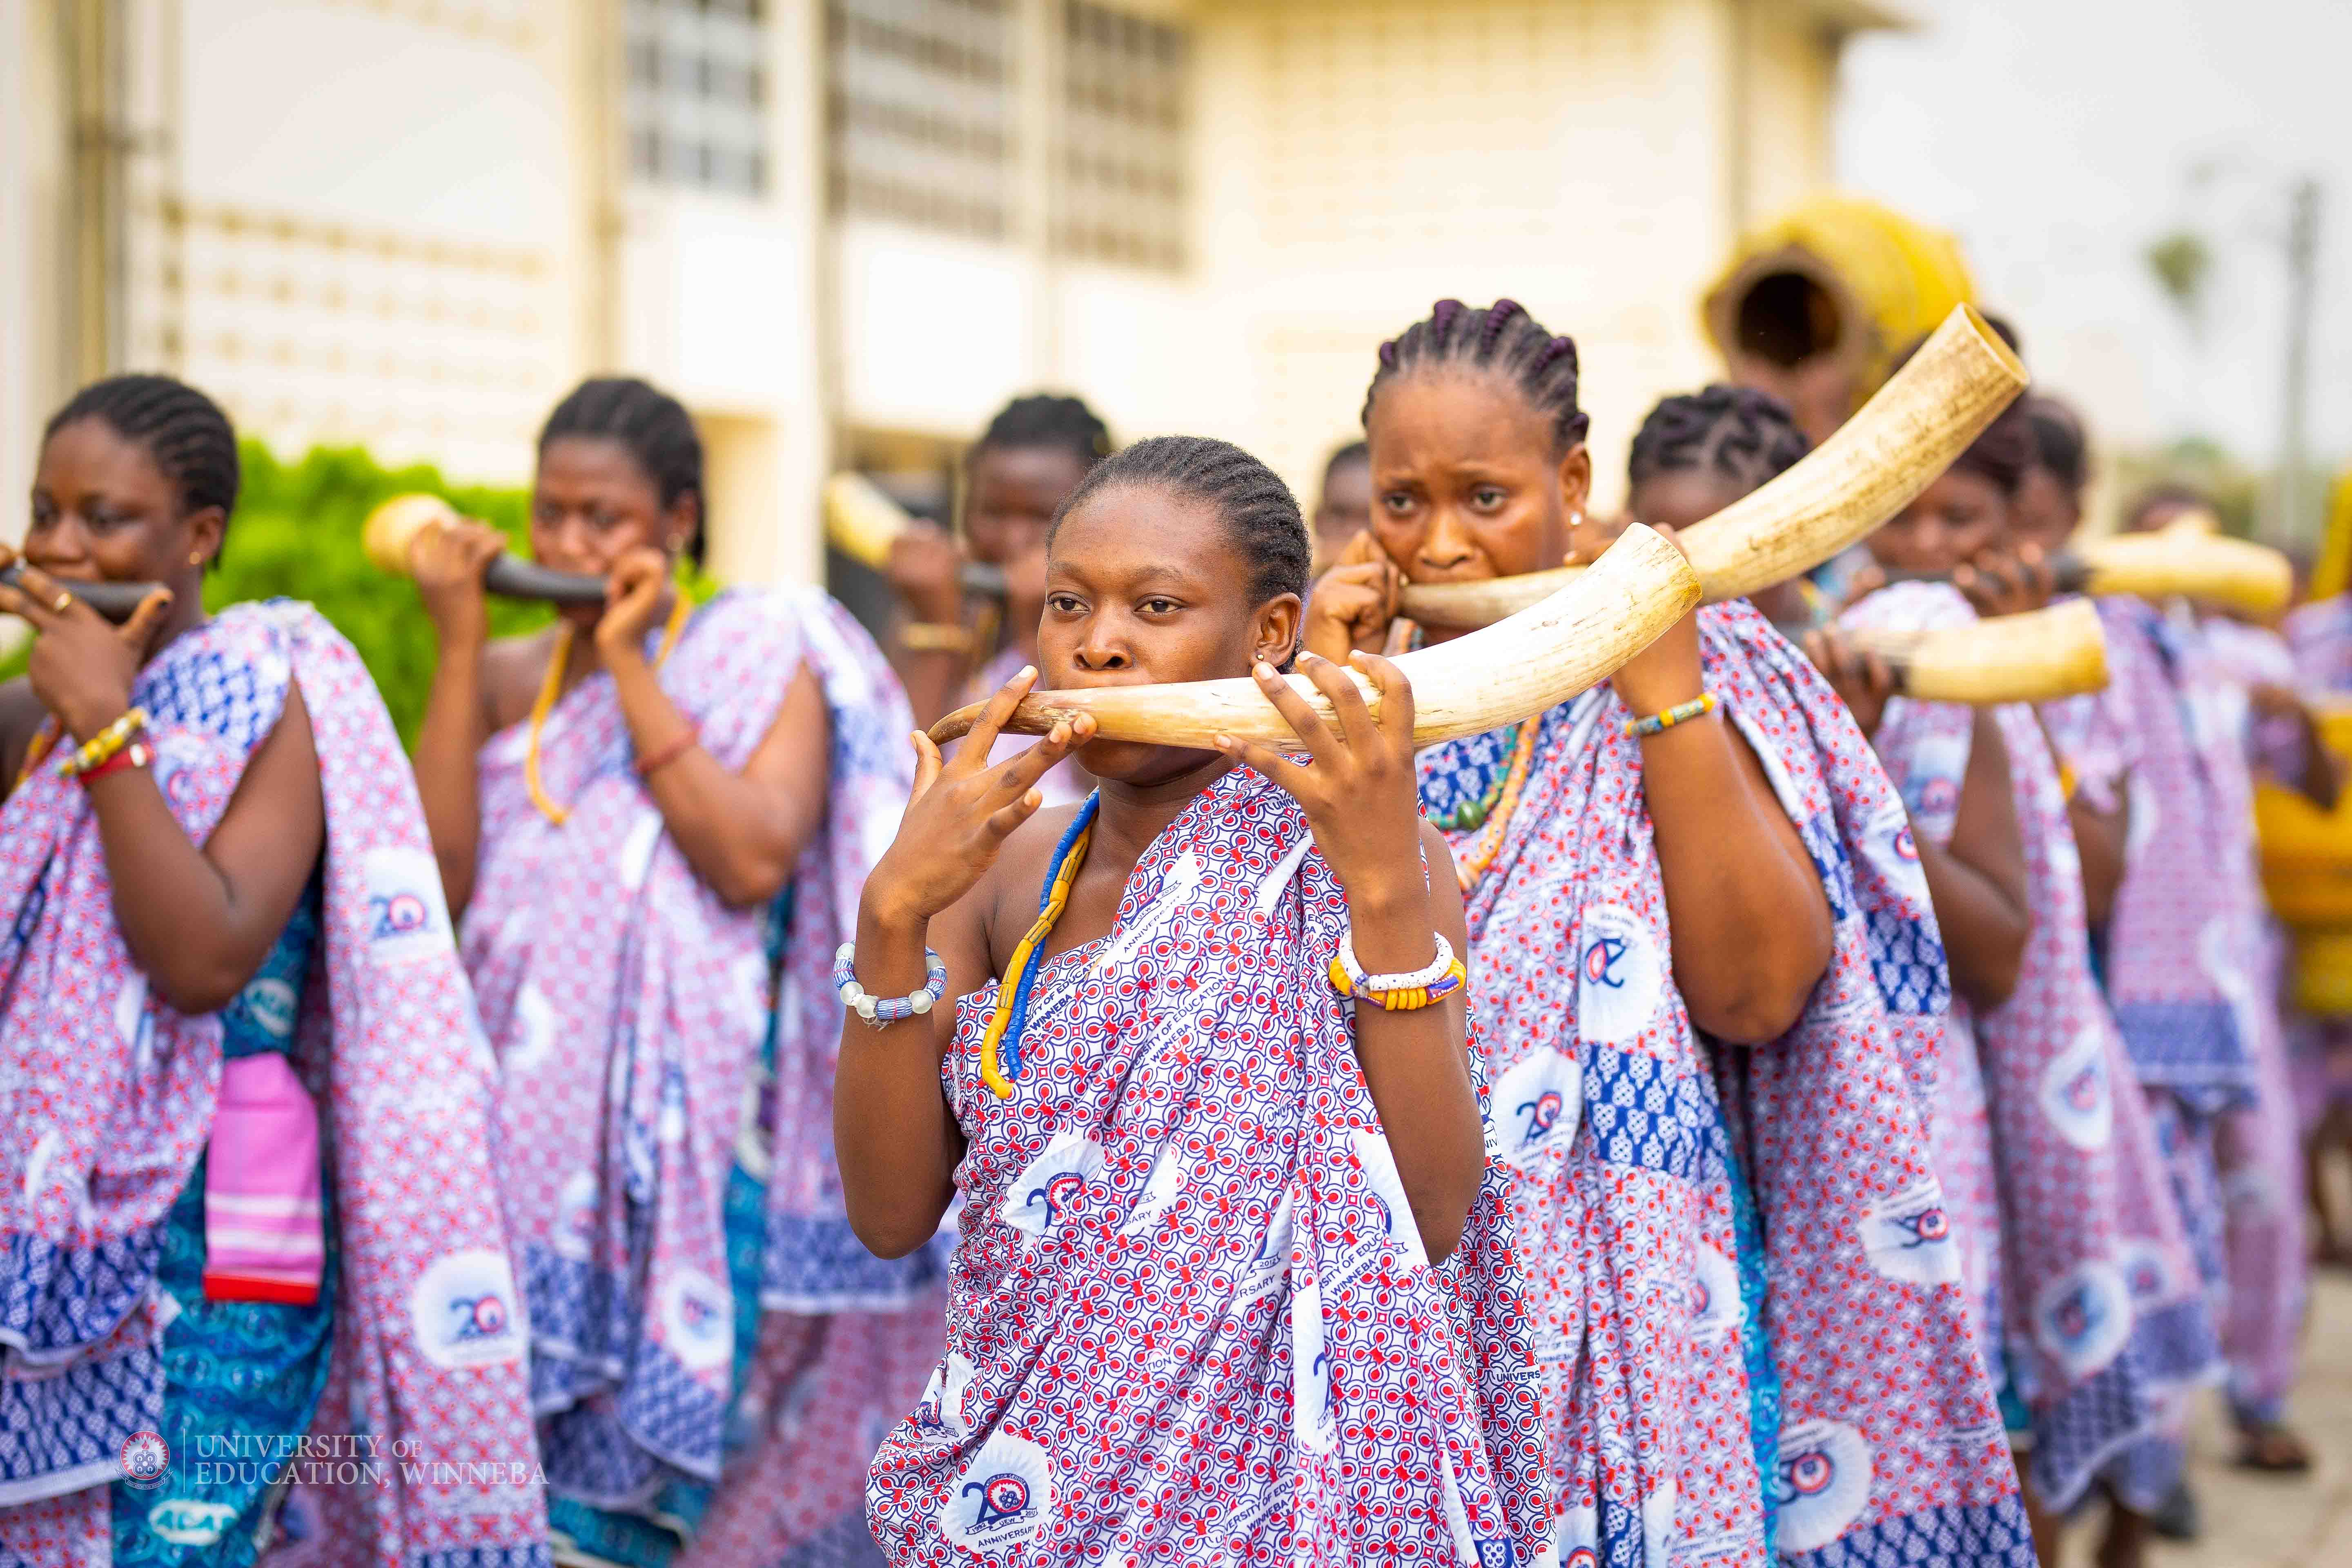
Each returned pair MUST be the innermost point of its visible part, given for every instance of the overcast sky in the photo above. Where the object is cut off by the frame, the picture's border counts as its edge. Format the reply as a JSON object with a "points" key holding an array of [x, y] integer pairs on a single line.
{"points": [[2057, 137]]}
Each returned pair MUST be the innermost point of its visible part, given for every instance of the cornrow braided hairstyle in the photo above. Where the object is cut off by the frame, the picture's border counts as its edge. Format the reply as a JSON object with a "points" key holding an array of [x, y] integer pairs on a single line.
{"points": [[1502, 339], [1043, 419], [656, 428], [2003, 453], [1739, 434], [1259, 511], [2060, 446], [188, 439]]}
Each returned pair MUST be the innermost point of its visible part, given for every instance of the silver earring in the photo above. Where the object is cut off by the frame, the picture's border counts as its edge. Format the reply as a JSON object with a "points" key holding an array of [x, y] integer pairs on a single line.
{"points": [[1576, 519]]}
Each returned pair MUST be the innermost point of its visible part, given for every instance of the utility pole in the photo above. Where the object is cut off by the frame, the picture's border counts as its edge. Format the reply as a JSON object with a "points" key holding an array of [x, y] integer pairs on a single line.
{"points": [[2302, 285]]}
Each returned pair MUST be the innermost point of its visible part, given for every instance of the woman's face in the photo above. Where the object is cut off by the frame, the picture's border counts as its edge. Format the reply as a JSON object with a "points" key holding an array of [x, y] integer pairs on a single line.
{"points": [[1143, 587], [1014, 493], [593, 502], [1465, 484], [1953, 519], [102, 511], [2044, 512]]}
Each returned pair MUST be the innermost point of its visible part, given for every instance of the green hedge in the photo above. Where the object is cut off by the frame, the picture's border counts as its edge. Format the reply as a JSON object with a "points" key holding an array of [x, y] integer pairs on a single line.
{"points": [[296, 534]]}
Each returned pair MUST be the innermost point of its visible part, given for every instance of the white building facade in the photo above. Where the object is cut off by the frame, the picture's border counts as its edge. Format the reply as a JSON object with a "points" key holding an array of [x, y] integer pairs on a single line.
{"points": [[844, 233]]}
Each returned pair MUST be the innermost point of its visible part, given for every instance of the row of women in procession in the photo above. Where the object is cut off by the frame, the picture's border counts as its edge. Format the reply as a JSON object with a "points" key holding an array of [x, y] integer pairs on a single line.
{"points": [[1636, 1084]]}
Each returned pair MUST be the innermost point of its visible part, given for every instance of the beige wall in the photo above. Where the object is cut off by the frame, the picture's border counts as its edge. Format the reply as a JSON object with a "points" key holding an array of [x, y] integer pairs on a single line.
{"points": [[1366, 158], [33, 284], [404, 223]]}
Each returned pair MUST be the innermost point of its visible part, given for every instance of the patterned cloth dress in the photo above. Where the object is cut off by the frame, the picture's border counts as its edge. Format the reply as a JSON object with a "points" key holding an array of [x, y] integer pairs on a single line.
{"points": [[240, 1378], [2068, 1331], [2257, 1147], [1747, 1302], [667, 1063], [2185, 973], [1192, 1322], [107, 1099]]}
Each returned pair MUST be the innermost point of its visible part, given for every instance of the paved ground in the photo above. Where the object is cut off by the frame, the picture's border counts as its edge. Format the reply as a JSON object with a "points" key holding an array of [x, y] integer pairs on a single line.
{"points": [[2262, 1521]]}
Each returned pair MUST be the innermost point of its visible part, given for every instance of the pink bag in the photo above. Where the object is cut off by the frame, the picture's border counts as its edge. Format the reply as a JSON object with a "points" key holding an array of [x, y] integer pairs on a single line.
{"points": [[264, 1230]]}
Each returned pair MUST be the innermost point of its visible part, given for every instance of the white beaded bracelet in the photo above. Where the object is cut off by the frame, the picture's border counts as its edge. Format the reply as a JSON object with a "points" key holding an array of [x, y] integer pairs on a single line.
{"points": [[1429, 974]]}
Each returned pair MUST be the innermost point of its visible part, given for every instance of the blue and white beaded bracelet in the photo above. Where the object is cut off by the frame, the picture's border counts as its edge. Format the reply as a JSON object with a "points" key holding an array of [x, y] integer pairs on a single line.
{"points": [[875, 1010]]}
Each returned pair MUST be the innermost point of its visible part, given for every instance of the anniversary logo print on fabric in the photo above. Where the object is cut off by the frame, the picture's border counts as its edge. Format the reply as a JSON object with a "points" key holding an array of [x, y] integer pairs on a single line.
{"points": [[1640, 1228], [1191, 1318], [95, 1156], [2051, 1059]]}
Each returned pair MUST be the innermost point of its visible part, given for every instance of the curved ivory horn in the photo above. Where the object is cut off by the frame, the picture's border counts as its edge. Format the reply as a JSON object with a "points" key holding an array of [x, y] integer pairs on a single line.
{"points": [[1504, 673], [2189, 559], [2033, 658], [861, 520], [1893, 448], [393, 528]]}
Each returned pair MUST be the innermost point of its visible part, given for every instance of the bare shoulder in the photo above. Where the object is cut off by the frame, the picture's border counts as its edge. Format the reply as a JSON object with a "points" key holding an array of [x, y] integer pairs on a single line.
{"points": [[512, 668]]}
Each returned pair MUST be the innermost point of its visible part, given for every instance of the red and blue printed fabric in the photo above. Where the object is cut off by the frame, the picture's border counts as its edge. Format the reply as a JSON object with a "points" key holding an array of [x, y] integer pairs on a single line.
{"points": [[627, 1003], [2088, 1316], [1192, 1322], [2181, 941], [107, 1096], [1719, 1389]]}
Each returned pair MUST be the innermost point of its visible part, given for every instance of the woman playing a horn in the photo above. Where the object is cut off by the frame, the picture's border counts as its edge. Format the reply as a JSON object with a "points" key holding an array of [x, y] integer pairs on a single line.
{"points": [[1705, 848], [2090, 1318], [1234, 1282], [1025, 464], [223, 920], [653, 820], [2186, 973]]}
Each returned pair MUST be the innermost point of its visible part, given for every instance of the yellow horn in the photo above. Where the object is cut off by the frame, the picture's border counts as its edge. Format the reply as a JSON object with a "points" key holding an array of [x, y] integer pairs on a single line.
{"points": [[1511, 670], [1908, 433], [2189, 558], [860, 521], [2033, 658], [393, 527]]}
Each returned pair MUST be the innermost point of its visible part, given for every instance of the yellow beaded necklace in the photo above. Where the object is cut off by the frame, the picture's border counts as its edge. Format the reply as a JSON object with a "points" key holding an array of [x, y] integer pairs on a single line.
{"points": [[551, 686], [1000, 1043]]}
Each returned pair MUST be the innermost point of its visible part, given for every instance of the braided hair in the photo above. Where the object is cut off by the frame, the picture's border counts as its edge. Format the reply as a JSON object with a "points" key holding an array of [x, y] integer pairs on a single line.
{"points": [[188, 439], [1502, 339], [2003, 453], [2061, 449], [1259, 511], [1055, 422], [654, 427], [1739, 434]]}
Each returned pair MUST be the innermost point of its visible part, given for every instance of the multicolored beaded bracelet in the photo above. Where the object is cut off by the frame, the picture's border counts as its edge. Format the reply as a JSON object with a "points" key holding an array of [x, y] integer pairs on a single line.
{"points": [[1680, 713], [1406, 993], [875, 1010], [103, 745]]}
